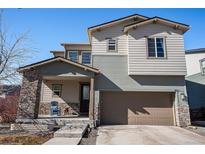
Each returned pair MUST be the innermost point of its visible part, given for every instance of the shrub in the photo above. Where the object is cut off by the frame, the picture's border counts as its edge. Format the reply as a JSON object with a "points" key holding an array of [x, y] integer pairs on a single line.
{"points": [[8, 109]]}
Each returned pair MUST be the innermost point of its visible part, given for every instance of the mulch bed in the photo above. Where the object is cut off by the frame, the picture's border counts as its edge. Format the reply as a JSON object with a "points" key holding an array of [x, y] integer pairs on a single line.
{"points": [[8, 137], [24, 139]]}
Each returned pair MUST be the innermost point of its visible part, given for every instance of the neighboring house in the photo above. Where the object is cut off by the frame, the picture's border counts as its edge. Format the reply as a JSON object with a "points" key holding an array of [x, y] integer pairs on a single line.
{"points": [[132, 71], [193, 58], [195, 82]]}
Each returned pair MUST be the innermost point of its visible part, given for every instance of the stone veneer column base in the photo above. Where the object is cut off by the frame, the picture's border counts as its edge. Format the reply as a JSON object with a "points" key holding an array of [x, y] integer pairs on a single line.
{"points": [[97, 107], [181, 110], [29, 95]]}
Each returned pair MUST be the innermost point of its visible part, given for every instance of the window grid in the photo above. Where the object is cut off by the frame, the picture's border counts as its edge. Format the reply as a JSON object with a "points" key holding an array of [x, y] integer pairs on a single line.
{"points": [[86, 57], [73, 56], [158, 43], [112, 45], [57, 90], [202, 66]]}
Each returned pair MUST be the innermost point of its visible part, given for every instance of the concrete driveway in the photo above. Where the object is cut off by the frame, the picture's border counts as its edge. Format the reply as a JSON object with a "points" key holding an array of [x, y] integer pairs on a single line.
{"points": [[146, 134]]}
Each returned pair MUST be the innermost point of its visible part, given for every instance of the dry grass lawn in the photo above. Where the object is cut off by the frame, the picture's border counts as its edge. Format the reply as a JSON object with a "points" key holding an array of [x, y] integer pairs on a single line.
{"points": [[15, 139]]}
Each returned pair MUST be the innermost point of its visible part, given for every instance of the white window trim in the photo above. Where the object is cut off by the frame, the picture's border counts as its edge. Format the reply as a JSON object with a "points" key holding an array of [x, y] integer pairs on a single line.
{"points": [[53, 95], [108, 45], [155, 42], [202, 71]]}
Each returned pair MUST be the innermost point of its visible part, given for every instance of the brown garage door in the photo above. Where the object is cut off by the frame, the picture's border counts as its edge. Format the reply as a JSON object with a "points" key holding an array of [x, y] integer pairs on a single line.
{"points": [[143, 108]]}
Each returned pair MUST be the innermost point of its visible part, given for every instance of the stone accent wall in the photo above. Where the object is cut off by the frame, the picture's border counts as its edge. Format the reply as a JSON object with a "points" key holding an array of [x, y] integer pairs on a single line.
{"points": [[30, 95], [44, 109], [97, 107], [181, 110], [66, 109]]}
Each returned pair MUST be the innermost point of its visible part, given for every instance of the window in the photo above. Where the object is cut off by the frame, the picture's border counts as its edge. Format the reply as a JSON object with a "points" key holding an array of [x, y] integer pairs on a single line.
{"points": [[57, 90], [202, 66], [111, 45], [156, 47], [86, 92], [86, 57], [73, 55]]}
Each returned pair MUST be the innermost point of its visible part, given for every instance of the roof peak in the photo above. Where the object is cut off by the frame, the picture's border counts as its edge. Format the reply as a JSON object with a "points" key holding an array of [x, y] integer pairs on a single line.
{"points": [[176, 25], [118, 19], [43, 62]]}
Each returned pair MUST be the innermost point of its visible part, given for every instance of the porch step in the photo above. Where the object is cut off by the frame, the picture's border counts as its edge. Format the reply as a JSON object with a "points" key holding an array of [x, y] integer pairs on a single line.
{"points": [[57, 121], [77, 122], [71, 131], [63, 141]]}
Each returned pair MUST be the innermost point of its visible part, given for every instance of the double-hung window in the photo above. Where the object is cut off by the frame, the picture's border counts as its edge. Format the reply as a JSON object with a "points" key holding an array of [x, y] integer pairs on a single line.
{"points": [[156, 47], [202, 66], [86, 57], [73, 55], [112, 45], [57, 90]]}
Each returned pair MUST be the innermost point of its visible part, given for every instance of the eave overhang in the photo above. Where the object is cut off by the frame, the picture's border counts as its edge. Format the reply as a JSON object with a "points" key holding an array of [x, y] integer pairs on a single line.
{"points": [[41, 63], [154, 20], [114, 22]]}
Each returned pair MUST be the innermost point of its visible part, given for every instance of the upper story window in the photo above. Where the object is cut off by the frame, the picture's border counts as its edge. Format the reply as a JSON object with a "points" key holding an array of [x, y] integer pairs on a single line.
{"points": [[202, 66], [73, 55], [156, 47], [86, 57], [112, 45]]}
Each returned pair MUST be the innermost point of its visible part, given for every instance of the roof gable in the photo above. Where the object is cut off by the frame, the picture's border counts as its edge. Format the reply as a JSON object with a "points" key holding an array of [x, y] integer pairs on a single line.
{"points": [[175, 25], [114, 22], [27, 67]]}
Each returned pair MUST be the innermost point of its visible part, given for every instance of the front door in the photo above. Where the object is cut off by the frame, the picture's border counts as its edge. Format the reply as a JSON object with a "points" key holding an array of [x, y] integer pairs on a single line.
{"points": [[85, 97]]}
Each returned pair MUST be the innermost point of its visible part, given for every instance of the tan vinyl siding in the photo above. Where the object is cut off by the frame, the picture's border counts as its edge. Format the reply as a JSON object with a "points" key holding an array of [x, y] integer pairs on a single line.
{"points": [[70, 91], [99, 42], [100, 47], [114, 77], [140, 64]]}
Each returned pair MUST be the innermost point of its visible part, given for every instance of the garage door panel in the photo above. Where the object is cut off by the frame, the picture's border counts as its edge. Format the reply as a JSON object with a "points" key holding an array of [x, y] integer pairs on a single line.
{"points": [[136, 108]]}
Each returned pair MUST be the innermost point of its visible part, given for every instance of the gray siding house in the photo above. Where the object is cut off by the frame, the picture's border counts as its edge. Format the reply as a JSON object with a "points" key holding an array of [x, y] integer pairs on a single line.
{"points": [[132, 72], [195, 83]]}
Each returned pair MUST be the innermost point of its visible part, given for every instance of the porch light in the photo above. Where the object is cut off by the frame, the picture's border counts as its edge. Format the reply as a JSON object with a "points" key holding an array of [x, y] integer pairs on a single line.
{"points": [[183, 97]]}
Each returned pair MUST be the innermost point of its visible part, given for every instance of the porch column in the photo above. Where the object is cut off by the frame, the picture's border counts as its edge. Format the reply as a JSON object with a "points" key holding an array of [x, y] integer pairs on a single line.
{"points": [[91, 104], [29, 95], [181, 110]]}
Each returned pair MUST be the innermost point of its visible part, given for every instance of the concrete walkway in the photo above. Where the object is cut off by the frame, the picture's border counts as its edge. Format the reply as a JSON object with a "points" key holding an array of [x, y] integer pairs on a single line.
{"points": [[142, 134], [70, 134], [63, 141]]}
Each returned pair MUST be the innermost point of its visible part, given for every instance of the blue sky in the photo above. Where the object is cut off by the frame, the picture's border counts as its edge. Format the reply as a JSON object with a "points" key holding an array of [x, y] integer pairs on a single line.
{"points": [[50, 27]]}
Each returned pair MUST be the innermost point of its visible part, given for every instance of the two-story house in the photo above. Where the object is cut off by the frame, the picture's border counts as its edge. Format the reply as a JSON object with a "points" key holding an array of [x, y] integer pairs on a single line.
{"points": [[195, 82], [132, 71]]}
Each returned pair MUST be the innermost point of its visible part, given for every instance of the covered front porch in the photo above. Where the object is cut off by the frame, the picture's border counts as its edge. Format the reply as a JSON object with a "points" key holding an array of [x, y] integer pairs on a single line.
{"points": [[57, 88], [65, 97]]}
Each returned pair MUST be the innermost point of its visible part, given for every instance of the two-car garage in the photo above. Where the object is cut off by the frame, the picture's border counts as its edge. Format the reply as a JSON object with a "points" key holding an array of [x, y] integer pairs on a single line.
{"points": [[137, 108]]}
